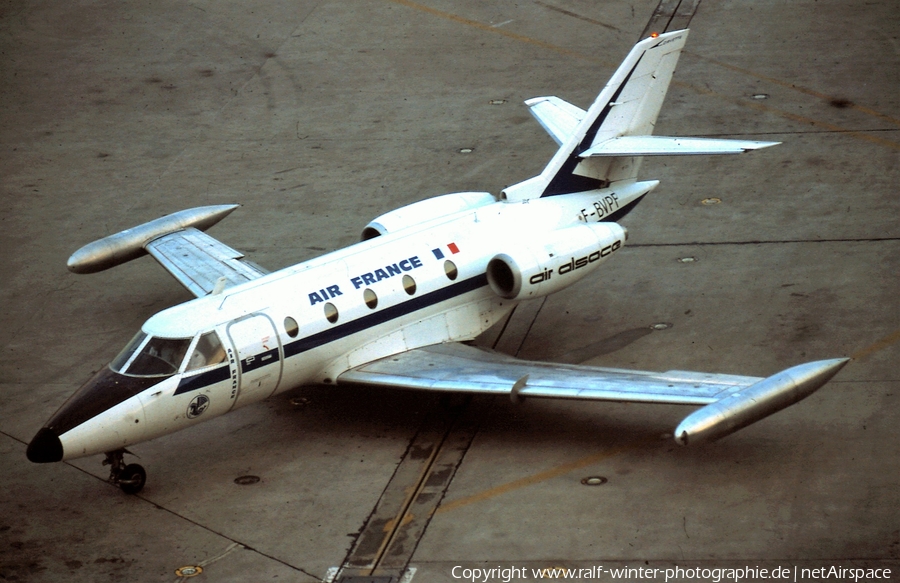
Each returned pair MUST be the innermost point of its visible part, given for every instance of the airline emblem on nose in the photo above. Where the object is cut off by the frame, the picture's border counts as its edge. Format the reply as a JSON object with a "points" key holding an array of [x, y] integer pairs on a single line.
{"points": [[198, 405]]}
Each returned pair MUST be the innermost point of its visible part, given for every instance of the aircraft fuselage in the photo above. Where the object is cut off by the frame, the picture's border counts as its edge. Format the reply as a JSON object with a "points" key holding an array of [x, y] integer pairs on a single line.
{"points": [[306, 324]]}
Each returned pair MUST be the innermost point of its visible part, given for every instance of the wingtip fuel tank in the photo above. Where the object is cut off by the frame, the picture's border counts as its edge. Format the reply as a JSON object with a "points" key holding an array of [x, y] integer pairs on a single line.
{"points": [[129, 244], [757, 401]]}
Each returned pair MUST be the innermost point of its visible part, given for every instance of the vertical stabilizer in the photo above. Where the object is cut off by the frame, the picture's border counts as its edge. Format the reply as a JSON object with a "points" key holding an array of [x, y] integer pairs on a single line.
{"points": [[627, 106]]}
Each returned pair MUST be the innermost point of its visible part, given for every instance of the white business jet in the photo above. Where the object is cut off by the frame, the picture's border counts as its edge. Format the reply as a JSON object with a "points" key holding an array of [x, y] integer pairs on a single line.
{"points": [[396, 309]]}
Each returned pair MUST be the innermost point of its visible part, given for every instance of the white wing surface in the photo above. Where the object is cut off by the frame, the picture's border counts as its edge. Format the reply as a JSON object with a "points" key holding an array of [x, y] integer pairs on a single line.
{"points": [[200, 262], [461, 368]]}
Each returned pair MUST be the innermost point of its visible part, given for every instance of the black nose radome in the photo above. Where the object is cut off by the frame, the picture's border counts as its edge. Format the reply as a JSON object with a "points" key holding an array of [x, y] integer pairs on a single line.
{"points": [[45, 447]]}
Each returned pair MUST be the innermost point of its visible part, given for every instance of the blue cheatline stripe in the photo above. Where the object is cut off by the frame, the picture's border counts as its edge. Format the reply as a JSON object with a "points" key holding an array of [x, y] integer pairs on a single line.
{"points": [[259, 360], [204, 379], [385, 315]]}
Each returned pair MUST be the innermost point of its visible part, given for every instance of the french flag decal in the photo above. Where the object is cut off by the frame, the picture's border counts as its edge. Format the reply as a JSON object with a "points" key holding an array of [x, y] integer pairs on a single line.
{"points": [[439, 252]]}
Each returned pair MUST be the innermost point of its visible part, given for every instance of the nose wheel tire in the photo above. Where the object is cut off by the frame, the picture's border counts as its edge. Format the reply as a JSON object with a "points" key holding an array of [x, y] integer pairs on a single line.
{"points": [[130, 478]]}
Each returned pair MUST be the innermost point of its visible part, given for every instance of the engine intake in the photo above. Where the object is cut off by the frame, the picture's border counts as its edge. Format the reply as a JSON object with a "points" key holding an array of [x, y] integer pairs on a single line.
{"points": [[557, 260]]}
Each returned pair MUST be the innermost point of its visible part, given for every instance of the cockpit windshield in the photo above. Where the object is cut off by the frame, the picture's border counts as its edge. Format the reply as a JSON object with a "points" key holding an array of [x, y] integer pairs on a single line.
{"points": [[154, 356], [122, 359]]}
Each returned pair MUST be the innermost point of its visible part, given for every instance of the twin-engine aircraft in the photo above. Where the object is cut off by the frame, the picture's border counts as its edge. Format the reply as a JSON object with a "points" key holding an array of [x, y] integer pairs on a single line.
{"points": [[396, 309]]}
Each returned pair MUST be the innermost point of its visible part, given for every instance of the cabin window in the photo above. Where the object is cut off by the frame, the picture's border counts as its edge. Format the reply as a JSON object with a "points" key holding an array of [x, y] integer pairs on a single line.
{"points": [[209, 351], [331, 313], [409, 284], [370, 298], [291, 327], [450, 270]]}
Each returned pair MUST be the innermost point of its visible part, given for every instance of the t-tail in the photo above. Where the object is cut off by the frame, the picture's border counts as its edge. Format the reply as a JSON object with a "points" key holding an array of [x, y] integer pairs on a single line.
{"points": [[603, 146]]}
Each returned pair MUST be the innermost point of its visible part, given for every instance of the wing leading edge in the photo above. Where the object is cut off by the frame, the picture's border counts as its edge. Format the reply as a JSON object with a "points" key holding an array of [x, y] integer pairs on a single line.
{"points": [[730, 401]]}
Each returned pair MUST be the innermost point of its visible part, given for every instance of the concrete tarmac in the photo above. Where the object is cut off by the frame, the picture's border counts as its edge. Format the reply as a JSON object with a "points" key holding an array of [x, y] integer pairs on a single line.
{"points": [[317, 117]]}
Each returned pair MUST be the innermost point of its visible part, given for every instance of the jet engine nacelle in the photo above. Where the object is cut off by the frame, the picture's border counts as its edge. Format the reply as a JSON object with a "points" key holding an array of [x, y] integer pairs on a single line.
{"points": [[425, 210], [548, 263]]}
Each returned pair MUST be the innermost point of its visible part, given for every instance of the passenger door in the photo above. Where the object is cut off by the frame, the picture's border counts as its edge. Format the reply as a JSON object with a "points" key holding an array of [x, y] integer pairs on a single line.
{"points": [[258, 350]]}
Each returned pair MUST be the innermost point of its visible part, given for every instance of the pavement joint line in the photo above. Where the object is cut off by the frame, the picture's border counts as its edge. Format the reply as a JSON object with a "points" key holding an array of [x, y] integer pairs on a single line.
{"points": [[452, 452], [437, 429], [798, 133], [503, 329], [554, 472], [670, 13], [743, 71], [794, 86], [226, 537], [578, 16], [531, 325], [579, 55], [770, 242], [254, 73], [13, 437], [745, 102], [235, 544], [500, 31], [399, 517], [442, 140]]}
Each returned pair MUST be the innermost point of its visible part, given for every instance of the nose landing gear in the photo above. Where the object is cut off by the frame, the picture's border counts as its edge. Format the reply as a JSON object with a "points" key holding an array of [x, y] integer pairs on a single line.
{"points": [[131, 478]]}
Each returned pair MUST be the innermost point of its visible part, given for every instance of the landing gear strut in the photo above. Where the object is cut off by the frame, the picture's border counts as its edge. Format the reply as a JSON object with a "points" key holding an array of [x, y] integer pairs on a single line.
{"points": [[131, 478]]}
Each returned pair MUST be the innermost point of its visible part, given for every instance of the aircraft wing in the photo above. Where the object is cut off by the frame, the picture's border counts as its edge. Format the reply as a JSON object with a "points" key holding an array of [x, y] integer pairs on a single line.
{"points": [[729, 402], [200, 262], [457, 367]]}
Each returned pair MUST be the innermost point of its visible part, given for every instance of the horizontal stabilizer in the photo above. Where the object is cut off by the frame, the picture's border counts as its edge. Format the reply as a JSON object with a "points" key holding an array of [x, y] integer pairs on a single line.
{"points": [[558, 117], [669, 146]]}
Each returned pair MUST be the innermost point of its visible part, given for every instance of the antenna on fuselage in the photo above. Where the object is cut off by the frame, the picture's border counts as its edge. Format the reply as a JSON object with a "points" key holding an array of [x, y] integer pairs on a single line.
{"points": [[220, 286]]}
